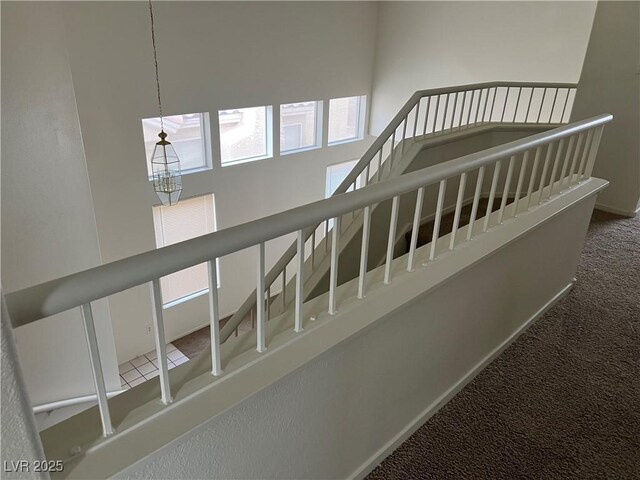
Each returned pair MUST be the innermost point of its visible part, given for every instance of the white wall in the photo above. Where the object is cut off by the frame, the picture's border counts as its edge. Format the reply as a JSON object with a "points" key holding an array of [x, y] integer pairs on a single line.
{"points": [[435, 44], [212, 55], [610, 83], [48, 225]]}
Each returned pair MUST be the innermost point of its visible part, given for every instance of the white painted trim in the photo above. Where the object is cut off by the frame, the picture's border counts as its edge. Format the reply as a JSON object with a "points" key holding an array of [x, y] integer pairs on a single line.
{"points": [[433, 408], [617, 211]]}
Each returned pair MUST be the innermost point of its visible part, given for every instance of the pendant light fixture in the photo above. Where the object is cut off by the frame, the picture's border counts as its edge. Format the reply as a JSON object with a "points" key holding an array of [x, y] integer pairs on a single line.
{"points": [[167, 179]]}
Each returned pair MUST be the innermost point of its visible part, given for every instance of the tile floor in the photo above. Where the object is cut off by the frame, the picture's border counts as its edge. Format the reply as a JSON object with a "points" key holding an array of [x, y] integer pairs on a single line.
{"points": [[145, 367]]}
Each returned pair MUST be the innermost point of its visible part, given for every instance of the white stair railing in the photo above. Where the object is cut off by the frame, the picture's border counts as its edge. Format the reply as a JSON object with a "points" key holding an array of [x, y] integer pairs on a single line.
{"points": [[569, 153], [428, 113]]}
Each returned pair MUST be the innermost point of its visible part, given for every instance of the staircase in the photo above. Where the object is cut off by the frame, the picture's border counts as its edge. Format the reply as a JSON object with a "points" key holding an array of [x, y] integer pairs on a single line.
{"points": [[429, 118]]}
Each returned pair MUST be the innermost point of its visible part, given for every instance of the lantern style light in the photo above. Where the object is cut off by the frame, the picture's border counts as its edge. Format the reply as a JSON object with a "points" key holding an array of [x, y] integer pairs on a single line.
{"points": [[167, 180], [165, 164]]}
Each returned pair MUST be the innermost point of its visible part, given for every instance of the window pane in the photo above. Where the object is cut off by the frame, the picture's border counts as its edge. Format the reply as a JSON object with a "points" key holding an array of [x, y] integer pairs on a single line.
{"points": [[298, 126], [188, 219], [344, 119], [336, 174], [185, 132], [243, 133]]}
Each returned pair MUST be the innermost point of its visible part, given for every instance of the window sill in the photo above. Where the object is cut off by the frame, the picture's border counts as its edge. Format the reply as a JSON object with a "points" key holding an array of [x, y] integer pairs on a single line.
{"points": [[190, 171], [299, 150], [186, 298], [346, 140], [230, 163]]}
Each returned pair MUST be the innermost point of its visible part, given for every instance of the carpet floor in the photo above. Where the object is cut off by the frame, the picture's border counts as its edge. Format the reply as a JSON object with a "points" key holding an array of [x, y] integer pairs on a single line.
{"points": [[562, 402]]}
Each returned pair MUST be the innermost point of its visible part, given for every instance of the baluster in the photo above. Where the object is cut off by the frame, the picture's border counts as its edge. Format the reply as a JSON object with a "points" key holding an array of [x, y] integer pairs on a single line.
{"points": [[367, 174], [453, 112], [486, 104], [417, 216], [415, 121], [587, 145], [543, 177], [534, 172], [505, 193], [574, 161], [504, 107], [364, 250], [594, 151], [392, 239], [566, 100], [435, 116], [556, 163], [300, 281], [284, 287], [456, 217], [444, 114], [391, 155], [526, 115], [476, 202], [523, 169], [565, 164], [464, 102], [473, 96], [493, 102], [326, 233], [553, 105], [313, 248], [492, 195], [333, 274], [478, 109], [161, 344], [268, 296], [96, 369], [260, 330], [541, 105], [404, 134], [438, 219], [214, 318], [517, 104], [426, 116]]}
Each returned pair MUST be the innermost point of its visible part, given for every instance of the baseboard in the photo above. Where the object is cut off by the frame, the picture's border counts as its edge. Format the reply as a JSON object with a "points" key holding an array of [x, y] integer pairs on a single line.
{"points": [[433, 408], [617, 211]]}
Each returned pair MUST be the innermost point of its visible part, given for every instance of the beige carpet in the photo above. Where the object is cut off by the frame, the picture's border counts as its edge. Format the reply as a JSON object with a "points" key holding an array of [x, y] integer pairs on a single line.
{"points": [[563, 402]]}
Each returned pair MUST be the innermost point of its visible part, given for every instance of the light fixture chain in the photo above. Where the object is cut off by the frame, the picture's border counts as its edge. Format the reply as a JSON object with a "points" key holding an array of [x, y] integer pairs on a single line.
{"points": [[155, 60]]}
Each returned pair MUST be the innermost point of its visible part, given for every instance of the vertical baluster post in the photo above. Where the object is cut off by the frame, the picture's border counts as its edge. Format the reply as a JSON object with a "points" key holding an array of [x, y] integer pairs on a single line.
{"points": [[456, 216], [417, 216], [565, 163], [300, 282], [476, 202], [438, 219], [364, 250], [543, 176], [159, 338], [214, 317], [260, 310], [492, 195], [426, 116], [585, 152], [393, 222], [595, 144], [333, 273], [544, 94], [523, 170], [574, 161], [96, 369]]}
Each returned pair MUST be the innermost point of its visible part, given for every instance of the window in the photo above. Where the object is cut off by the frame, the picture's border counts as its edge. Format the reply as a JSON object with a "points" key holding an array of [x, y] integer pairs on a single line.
{"points": [[187, 133], [346, 119], [300, 126], [336, 174], [190, 218], [245, 134]]}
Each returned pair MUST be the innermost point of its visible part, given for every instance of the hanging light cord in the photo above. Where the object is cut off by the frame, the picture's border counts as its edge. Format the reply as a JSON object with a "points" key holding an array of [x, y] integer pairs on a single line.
{"points": [[155, 60]]}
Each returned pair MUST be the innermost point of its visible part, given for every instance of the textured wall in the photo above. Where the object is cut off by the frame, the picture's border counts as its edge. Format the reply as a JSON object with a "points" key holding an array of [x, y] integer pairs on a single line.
{"points": [[20, 440]]}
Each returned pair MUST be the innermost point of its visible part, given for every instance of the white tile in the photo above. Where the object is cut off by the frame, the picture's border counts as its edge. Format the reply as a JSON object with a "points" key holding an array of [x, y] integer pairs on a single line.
{"points": [[146, 368], [180, 361], [151, 355], [171, 365], [171, 347], [149, 376], [139, 360], [137, 381], [174, 355], [125, 367], [132, 375]]}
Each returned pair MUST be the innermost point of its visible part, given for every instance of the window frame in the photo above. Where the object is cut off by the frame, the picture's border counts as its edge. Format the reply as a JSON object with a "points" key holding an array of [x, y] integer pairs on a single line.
{"points": [[198, 293], [319, 117], [360, 127], [268, 132], [205, 135]]}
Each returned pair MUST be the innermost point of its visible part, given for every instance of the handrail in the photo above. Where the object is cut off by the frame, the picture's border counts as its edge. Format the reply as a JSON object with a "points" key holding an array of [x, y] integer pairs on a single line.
{"points": [[34, 303], [389, 132]]}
